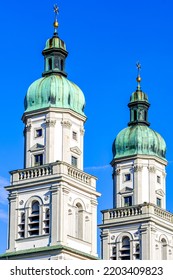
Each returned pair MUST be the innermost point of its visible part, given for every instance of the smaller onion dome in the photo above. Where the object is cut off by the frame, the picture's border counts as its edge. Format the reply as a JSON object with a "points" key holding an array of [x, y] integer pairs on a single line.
{"points": [[54, 91], [138, 139]]}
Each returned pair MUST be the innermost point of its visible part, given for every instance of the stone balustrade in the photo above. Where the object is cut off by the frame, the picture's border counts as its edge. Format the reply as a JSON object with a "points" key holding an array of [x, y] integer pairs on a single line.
{"points": [[56, 168], [135, 211], [165, 215]]}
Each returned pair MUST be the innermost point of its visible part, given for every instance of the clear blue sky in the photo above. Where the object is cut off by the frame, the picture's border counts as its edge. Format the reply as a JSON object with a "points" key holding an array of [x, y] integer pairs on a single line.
{"points": [[105, 39]]}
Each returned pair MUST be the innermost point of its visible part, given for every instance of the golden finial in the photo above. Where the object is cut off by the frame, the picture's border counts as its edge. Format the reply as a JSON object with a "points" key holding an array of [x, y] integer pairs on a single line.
{"points": [[55, 24], [138, 79]]}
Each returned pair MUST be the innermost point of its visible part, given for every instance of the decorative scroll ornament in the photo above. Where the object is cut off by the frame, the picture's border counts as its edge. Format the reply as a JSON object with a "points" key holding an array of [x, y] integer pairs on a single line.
{"points": [[117, 171], [152, 169], [138, 168], [50, 123], [66, 124]]}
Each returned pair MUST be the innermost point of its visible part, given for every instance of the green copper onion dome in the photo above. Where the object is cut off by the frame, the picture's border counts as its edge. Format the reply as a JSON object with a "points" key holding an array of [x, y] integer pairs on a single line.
{"points": [[138, 138], [54, 89]]}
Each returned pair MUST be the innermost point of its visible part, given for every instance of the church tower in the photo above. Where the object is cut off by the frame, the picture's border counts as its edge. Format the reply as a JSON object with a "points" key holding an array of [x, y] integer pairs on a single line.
{"points": [[52, 201], [138, 226]]}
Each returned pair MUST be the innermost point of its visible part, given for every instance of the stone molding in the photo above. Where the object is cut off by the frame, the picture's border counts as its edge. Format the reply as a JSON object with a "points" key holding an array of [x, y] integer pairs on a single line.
{"points": [[76, 150]]}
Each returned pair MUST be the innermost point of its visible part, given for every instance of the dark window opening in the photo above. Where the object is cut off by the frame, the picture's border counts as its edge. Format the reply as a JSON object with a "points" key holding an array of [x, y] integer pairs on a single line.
{"points": [[38, 132], [74, 161], [158, 202], [50, 64], [62, 64], [135, 115], [127, 177], [74, 135], [38, 160], [128, 201]]}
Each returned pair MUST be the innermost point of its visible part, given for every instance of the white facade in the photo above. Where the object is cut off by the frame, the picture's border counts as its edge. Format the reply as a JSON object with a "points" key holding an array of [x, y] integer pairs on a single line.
{"points": [[138, 227], [56, 134]]}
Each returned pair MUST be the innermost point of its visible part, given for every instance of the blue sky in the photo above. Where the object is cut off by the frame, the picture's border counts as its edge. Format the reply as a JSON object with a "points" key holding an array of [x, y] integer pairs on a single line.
{"points": [[105, 39]]}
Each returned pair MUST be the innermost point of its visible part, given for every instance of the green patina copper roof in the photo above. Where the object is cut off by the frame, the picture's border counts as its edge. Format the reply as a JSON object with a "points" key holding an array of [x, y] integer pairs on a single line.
{"points": [[55, 42], [46, 250], [54, 91], [139, 139]]}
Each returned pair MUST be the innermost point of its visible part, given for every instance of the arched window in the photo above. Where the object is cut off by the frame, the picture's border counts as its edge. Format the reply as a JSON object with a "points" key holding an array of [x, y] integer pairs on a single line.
{"points": [[35, 207], [163, 249], [34, 219], [79, 221], [47, 221], [125, 248]]}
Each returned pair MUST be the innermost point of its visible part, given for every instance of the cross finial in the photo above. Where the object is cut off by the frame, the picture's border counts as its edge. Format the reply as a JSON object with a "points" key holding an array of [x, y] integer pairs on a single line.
{"points": [[56, 11], [138, 65]]}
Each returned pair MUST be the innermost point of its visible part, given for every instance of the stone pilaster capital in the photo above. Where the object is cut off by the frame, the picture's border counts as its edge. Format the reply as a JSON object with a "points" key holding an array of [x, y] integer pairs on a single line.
{"points": [[82, 130], [138, 168], [66, 124], [152, 169], [118, 171], [50, 123]]}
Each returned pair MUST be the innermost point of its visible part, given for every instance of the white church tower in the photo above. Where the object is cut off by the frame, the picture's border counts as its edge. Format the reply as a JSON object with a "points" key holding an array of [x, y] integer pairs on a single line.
{"points": [[52, 202], [138, 226]]}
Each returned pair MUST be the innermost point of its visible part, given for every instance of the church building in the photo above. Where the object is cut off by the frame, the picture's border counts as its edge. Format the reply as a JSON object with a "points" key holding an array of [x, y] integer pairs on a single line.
{"points": [[53, 202], [138, 227]]}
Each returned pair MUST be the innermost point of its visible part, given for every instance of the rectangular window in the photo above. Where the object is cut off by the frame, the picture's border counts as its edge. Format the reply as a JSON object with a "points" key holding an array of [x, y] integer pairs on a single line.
{"points": [[127, 200], [158, 179], [38, 160], [74, 135], [74, 161], [127, 177], [38, 132], [158, 202]]}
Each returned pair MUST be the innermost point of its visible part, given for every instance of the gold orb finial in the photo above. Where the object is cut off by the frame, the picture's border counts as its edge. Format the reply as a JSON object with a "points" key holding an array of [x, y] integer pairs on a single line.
{"points": [[138, 79]]}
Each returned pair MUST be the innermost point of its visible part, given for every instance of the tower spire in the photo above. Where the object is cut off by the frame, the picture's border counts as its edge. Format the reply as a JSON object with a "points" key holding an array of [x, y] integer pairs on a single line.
{"points": [[55, 24], [138, 79]]}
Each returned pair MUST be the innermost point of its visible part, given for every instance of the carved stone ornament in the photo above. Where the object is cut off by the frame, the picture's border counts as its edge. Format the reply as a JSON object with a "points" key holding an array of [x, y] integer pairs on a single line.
{"points": [[113, 237], [138, 168], [82, 130], [28, 127], [50, 123], [66, 124], [46, 198], [117, 171], [152, 169], [21, 202]]}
